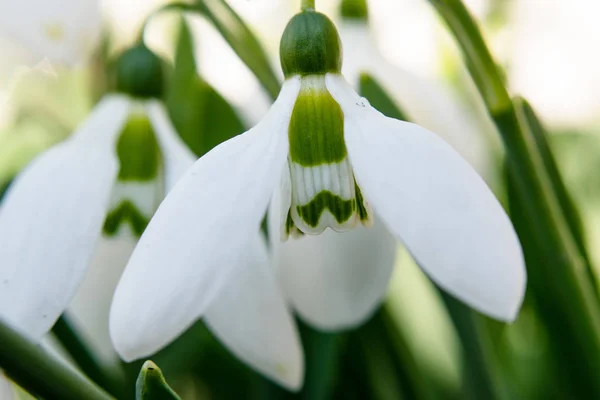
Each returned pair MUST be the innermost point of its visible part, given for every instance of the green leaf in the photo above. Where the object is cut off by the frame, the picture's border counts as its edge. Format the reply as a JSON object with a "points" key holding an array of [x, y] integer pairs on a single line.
{"points": [[557, 269], [566, 202], [40, 372], [199, 113], [379, 98], [241, 39], [151, 384], [71, 340]]}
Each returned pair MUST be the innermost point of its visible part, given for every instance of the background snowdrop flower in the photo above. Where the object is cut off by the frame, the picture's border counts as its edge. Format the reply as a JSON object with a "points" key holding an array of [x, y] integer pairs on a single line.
{"points": [[114, 169], [63, 31], [329, 160]]}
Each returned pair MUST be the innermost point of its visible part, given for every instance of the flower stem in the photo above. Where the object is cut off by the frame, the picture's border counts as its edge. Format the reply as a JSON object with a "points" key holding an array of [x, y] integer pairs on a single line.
{"points": [[308, 5], [558, 271], [69, 338], [42, 374]]}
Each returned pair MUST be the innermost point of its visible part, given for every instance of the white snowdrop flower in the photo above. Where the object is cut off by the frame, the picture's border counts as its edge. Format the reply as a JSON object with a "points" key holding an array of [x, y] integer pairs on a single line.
{"points": [[310, 268], [114, 170], [64, 31], [323, 158]]}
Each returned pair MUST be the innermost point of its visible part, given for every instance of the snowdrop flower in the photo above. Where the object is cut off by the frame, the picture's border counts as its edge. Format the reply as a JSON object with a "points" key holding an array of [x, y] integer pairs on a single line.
{"points": [[64, 31], [366, 257], [113, 171], [323, 158]]}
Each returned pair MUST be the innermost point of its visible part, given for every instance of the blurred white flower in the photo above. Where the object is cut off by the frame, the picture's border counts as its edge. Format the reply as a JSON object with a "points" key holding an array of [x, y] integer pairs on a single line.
{"points": [[555, 62], [54, 211], [64, 31], [428, 101], [322, 157]]}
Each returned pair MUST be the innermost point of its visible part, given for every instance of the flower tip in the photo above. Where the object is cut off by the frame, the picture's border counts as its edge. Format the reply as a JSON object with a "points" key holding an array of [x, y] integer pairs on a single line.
{"points": [[122, 340], [150, 365], [291, 378]]}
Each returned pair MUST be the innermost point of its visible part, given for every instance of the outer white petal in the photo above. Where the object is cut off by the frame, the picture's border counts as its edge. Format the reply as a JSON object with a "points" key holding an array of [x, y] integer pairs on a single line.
{"points": [[197, 236], [51, 218], [177, 157], [433, 200], [251, 318], [62, 30], [336, 280]]}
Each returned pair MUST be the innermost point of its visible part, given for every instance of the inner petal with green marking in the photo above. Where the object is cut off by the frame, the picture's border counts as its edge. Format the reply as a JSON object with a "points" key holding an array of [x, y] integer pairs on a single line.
{"points": [[139, 188], [324, 192]]}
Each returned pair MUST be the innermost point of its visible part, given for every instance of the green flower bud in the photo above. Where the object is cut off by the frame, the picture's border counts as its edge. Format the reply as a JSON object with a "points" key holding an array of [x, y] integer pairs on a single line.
{"points": [[310, 45], [140, 73], [354, 9]]}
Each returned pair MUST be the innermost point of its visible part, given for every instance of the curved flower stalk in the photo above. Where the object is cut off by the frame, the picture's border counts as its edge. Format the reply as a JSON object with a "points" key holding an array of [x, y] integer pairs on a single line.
{"points": [[64, 31], [113, 171], [323, 158]]}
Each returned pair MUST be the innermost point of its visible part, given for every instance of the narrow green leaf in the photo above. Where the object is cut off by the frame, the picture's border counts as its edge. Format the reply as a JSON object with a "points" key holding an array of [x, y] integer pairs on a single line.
{"points": [[323, 352], [199, 113], [388, 365], [567, 204], [243, 41], [70, 339], [41, 373], [558, 275], [379, 98], [151, 384]]}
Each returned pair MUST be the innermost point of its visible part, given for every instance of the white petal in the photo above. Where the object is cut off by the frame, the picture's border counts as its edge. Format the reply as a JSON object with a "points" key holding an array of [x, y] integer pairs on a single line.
{"points": [[336, 280], [51, 218], [7, 392], [194, 242], [63, 30], [177, 157], [91, 304], [433, 200], [250, 317]]}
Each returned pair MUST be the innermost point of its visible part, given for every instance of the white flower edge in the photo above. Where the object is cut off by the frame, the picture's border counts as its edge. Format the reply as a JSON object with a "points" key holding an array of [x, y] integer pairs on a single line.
{"points": [[436, 204], [51, 218]]}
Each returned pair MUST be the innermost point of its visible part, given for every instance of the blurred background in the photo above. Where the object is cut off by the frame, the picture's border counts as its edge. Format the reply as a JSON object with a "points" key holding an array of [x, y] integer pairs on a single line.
{"points": [[411, 348]]}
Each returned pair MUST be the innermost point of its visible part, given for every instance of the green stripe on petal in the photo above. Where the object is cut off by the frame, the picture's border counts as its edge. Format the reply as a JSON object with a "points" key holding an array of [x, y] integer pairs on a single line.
{"points": [[138, 151], [316, 130], [125, 212], [341, 209]]}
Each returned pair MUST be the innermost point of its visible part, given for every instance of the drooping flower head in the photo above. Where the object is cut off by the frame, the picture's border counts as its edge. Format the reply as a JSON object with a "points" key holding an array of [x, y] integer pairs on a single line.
{"points": [[323, 159], [110, 174]]}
